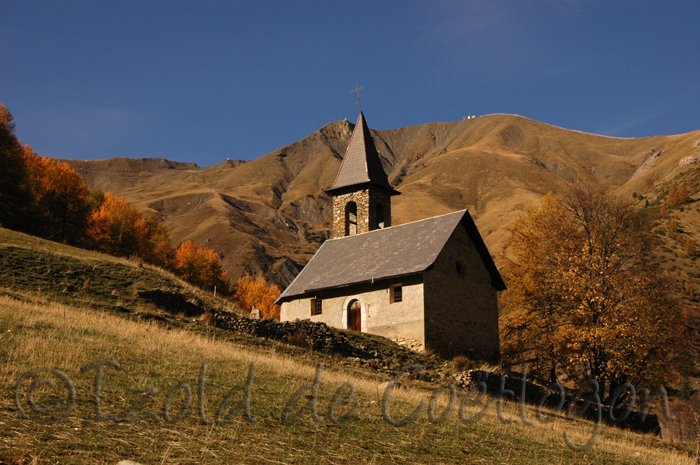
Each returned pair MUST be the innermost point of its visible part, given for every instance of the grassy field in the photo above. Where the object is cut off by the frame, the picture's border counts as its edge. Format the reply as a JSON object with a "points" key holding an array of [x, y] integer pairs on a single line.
{"points": [[63, 308], [52, 272], [37, 334]]}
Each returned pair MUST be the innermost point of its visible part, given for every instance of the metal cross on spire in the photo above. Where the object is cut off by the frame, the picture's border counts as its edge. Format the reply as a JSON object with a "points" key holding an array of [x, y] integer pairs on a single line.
{"points": [[357, 89]]}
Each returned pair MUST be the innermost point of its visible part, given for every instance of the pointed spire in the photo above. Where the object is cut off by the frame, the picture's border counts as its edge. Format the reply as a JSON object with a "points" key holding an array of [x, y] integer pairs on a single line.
{"points": [[361, 163]]}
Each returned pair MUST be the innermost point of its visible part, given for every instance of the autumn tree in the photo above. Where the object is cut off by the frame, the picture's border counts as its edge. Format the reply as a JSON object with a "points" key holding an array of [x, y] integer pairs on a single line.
{"points": [[252, 292], [59, 206], [117, 228], [690, 247], [678, 195], [587, 297], [672, 225], [157, 249], [200, 266], [14, 195]]}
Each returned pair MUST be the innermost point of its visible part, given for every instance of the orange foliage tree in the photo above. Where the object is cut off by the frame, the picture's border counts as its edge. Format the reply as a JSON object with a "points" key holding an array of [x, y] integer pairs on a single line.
{"points": [[59, 208], [586, 294], [117, 228], [251, 292], [200, 266], [678, 195]]}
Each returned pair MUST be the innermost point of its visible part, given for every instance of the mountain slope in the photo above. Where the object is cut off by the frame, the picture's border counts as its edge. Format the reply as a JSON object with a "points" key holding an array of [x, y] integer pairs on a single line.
{"points": [[269, 215]]}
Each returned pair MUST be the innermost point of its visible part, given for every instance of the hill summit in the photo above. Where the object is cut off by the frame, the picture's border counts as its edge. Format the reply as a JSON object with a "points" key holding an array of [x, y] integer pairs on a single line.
{"points": [[268, 216]]}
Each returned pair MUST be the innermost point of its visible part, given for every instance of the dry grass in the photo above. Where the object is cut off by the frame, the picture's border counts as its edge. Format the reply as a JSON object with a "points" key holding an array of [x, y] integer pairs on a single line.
{"points": [[39, 335], [495, 165]]}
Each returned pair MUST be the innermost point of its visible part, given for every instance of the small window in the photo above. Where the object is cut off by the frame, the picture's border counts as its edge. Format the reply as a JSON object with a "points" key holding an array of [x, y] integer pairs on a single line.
{"points": [[461, 267], [316, 307], [350, 219], [396, 293], [380, 216]]}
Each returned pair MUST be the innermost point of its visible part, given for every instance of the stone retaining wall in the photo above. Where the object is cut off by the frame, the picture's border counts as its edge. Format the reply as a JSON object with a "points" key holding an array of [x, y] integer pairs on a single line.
{"points": [[318, 336]]}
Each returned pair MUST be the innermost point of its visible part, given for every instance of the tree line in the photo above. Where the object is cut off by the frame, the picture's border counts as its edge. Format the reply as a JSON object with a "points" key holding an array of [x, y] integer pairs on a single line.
{"points": [[48, 199]]}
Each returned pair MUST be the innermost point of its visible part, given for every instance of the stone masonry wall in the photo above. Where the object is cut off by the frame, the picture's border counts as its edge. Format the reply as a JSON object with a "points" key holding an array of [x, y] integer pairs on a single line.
{"points": [[361, 198], [367, 199], [317, 335], [461, 305], [379, 196]]}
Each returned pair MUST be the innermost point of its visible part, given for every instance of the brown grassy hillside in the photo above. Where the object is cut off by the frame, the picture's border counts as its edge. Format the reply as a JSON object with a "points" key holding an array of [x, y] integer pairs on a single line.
{"points": [[269, 215]]}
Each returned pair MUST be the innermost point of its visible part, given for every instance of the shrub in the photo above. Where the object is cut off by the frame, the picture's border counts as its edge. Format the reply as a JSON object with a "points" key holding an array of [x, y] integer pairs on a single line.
{"points": [[690, 248], [678, 195], [461, 363], [300, 339], [686, 391]]}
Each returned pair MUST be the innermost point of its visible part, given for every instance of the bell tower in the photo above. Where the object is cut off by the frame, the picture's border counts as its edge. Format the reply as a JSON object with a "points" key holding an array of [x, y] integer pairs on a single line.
{"points": [[361, 191]]}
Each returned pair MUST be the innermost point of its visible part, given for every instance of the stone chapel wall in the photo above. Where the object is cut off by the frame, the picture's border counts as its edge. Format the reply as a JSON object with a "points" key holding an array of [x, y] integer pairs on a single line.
{"points": [[402, 321], [366, 200], [461, 305]]}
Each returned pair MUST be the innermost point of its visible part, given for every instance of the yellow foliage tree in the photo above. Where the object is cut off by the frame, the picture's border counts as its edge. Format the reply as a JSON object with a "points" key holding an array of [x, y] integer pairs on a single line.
{"points": [[251, 292], [200, 266], [158, 249], [586, 296]]}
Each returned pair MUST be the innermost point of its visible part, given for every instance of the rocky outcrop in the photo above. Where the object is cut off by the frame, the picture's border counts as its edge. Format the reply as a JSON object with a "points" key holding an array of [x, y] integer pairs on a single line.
{"points": [[689, 160]]}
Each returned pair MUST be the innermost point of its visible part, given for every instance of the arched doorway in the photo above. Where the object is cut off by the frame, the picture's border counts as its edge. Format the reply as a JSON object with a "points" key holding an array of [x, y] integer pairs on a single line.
{"points": [[355, 315]]}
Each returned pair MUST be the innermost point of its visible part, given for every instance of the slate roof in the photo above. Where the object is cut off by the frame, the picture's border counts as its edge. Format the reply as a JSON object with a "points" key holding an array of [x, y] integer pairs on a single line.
{"points": [[384, 253], [361, 163]]}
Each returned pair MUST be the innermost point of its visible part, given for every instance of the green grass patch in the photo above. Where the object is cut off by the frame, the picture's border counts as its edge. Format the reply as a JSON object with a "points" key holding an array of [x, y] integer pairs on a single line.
{"points": [[79, 277]]}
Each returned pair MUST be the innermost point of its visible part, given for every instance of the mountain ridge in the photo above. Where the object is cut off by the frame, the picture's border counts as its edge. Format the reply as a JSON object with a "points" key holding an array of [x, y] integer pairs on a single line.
{"points": [[268, 216]]}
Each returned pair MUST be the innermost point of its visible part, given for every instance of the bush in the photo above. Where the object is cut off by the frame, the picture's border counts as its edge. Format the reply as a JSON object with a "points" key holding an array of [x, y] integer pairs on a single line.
{"points": [[300, 339], [461, 363], [678, 195], [690, 247]]}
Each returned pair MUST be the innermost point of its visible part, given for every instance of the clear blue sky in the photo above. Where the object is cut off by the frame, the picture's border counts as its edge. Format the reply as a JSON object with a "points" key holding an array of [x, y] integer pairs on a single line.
{"points": [[206, 80]]}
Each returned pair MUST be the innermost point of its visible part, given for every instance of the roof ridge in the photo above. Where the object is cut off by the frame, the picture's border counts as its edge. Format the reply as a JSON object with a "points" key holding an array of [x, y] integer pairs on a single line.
{"points": [[399, 225], [401, 251]]}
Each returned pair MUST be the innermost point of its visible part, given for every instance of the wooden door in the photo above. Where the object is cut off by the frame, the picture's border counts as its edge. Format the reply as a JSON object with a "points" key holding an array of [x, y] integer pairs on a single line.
{"points": [[355, 316]]}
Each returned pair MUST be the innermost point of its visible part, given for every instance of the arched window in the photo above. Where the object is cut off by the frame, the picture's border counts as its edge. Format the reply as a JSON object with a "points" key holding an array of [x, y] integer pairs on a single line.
{"points": [[350, 218], [380, 215]]}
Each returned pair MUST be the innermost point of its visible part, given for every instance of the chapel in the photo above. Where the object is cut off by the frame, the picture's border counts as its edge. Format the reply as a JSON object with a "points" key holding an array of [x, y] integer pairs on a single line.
{"points": [[429, 284]]}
